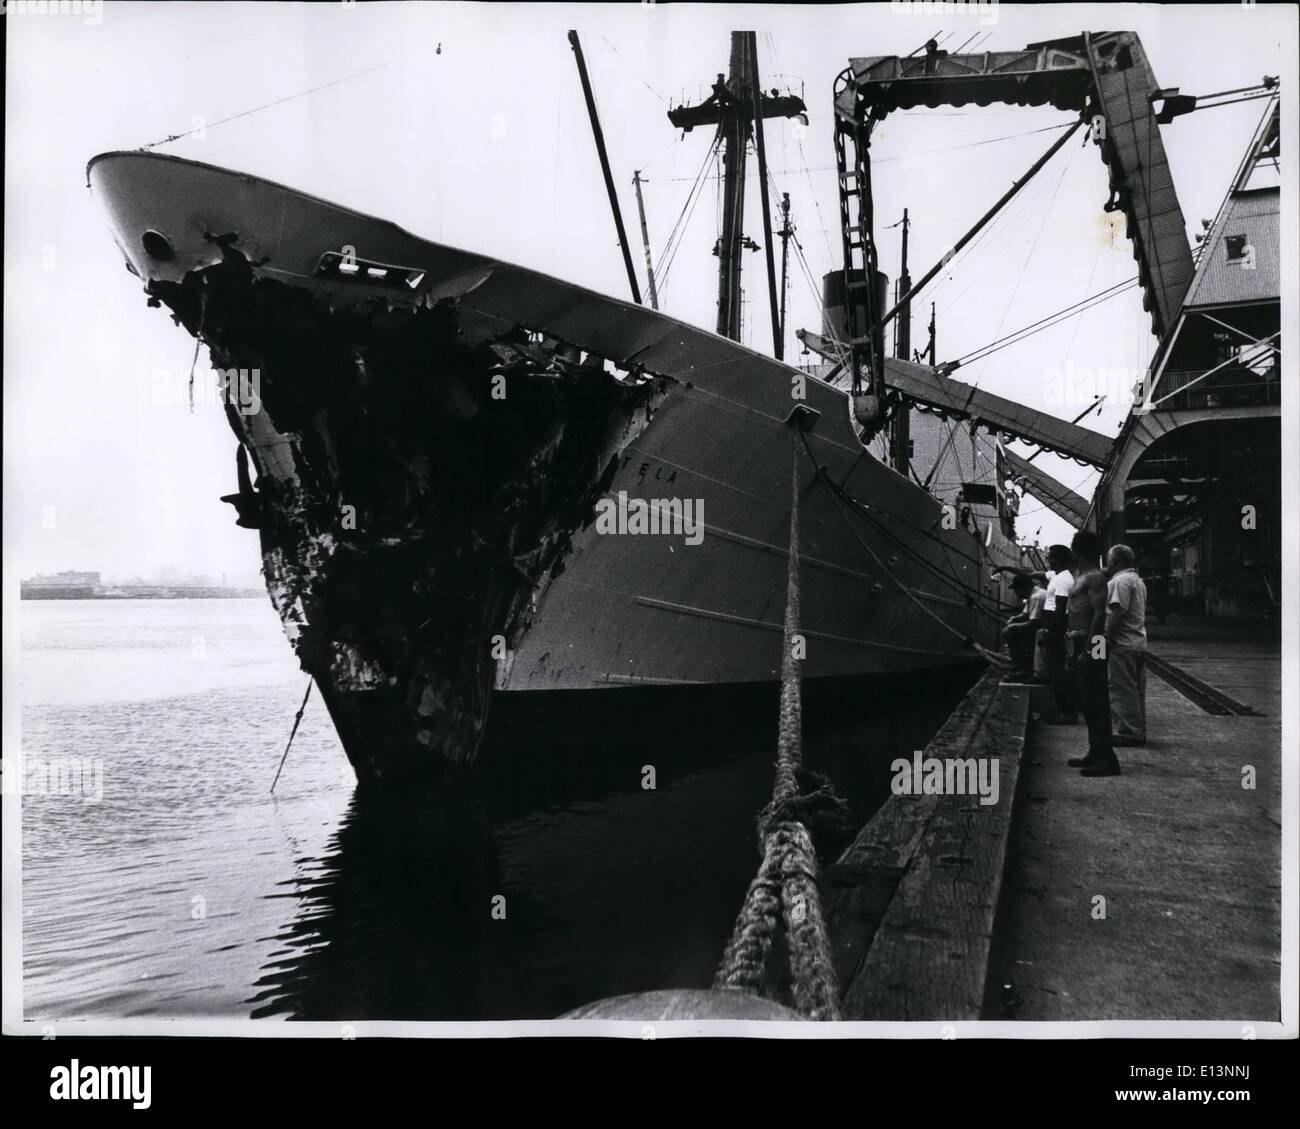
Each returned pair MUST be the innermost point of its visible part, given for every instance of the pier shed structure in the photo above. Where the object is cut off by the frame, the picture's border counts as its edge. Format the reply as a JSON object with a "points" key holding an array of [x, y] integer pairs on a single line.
{"points": [[1193, 482]]}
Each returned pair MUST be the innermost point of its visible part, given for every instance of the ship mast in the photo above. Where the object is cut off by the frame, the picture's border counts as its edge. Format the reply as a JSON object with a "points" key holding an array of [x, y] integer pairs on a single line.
{"points": [[734, 128], [645, 240], [786, 232], [900, 428], [731, 107], [599, 136], [760, 149]]}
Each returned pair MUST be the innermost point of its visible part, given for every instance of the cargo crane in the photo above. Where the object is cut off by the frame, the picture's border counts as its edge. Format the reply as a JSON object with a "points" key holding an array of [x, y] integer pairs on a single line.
{"points": [[1106, 78]]}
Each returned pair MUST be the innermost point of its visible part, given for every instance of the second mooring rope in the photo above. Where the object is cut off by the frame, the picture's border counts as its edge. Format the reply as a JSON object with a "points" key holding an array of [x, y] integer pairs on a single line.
{"points": [[785, 888]]}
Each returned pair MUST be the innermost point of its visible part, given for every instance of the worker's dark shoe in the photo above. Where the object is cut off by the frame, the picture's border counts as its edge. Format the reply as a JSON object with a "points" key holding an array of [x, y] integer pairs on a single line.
{"points": [[1124, 741], [1101, 768], [1082, 762]]}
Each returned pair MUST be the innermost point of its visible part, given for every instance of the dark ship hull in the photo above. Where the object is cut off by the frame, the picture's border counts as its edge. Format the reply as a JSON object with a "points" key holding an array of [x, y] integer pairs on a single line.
{"points": [[432, 432]]}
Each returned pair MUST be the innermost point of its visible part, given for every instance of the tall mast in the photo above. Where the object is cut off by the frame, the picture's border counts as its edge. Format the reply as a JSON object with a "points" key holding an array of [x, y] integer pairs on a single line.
{"points": [[786, 232], [735, 130], [901, 426], [645, 239], [731, 107], [604, 165], [760, 148]]}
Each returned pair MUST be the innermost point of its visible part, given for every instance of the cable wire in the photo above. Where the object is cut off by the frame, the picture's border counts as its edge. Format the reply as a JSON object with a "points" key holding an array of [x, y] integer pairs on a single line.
{"points": [[268, 105]]}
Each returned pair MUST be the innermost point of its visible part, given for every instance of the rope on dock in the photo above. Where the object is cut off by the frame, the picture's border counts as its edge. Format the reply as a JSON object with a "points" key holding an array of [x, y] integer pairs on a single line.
{"points": [[785, 888]]}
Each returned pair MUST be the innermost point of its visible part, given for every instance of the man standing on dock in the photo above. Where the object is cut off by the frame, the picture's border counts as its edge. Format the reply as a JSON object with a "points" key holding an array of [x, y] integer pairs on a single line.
{"points": [[1086, 654], [1060, 561], [1126, 643]]}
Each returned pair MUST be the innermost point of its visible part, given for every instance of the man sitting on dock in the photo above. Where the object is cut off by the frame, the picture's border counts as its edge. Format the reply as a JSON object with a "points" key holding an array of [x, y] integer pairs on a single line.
{"points": [[1086, 654], [1022, 628], [1126, 639]]}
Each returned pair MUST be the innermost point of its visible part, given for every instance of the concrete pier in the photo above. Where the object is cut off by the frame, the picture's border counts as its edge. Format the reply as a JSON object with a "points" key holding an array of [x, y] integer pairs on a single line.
{"points": [[1151, 895], [1187, 860]]}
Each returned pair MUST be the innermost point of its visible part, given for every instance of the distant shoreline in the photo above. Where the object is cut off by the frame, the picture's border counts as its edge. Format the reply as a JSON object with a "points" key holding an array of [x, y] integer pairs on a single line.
{"points": [[201, 594]]}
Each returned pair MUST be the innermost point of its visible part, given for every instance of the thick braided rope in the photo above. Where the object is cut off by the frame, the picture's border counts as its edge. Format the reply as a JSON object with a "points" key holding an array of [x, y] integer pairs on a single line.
{"points": [[785, 888]]}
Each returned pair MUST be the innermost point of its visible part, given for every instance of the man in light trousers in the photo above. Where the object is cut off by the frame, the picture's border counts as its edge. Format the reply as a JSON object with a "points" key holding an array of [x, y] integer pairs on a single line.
{"points": [[1126, 639]]}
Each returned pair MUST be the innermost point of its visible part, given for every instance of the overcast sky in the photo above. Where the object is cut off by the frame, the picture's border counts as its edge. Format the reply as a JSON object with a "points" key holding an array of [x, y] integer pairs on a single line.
{"points": [[485, 145]]}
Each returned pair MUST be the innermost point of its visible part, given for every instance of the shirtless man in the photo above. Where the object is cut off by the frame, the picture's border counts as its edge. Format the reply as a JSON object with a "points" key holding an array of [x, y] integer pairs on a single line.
{"points": [[1086, 648]]}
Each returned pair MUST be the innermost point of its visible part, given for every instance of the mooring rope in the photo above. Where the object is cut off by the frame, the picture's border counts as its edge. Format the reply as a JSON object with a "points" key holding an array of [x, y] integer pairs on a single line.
{"points": [[198, 335], [292, 734], [968, 641], [785, 888]]}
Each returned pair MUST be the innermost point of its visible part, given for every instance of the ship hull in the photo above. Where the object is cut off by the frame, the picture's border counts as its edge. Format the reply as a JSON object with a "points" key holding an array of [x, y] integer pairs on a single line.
{"points": [[448, 463]]}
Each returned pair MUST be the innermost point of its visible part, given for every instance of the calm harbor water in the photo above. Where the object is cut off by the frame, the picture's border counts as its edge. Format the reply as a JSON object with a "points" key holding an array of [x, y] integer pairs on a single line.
{"points": [[187, 890]]}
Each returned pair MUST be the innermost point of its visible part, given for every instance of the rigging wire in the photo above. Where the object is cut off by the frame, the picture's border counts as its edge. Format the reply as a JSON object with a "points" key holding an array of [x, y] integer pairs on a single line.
{"points": [[801, 260], [635, 73], [1096, 258], [805, 167], [1080, 307], [699, 177], [973, 597], [268, 105], [1016, 209], [803, 157], [669, 257], [644, 165], [677, 228], [967, 253]]}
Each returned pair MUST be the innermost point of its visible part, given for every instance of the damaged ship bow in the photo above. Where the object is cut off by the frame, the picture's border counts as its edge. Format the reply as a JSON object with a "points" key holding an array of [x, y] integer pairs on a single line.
{"points": [[430, 432]]}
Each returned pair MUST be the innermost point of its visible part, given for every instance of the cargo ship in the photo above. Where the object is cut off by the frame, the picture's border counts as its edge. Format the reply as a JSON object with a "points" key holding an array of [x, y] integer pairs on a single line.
{"points": [[473, 482], [432, 434]]}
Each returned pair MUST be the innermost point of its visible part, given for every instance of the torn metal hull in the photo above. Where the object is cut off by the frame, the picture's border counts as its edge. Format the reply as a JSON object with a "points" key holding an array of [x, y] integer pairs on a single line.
{"points": [[433, 432]]}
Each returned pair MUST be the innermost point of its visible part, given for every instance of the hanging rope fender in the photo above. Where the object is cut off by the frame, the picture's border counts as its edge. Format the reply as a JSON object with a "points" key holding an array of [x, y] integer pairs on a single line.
{"points": [[785, 889]]}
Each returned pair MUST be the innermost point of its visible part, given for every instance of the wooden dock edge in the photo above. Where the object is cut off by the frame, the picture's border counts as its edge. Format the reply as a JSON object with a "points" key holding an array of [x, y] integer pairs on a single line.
{"points": [[911, 905]]}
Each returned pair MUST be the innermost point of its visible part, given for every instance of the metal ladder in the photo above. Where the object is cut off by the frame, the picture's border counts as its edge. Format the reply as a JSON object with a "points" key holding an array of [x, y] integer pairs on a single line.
{"points": [[865, 342]]}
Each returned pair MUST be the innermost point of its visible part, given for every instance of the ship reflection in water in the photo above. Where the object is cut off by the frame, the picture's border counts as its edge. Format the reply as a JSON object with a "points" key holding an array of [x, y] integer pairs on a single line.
{"points": [[188, 891]]}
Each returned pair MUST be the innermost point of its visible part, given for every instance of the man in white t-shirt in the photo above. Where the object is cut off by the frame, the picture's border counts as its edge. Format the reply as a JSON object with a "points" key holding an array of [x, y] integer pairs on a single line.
{"points": [[1059, 582], [1040, 655]]}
